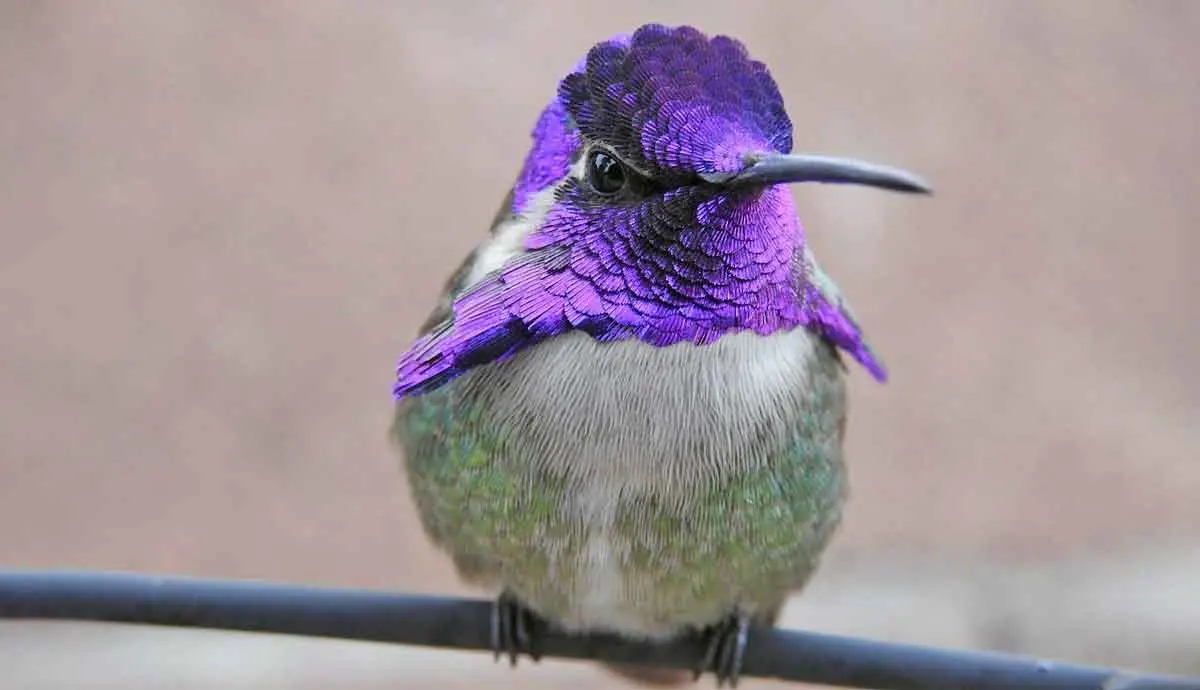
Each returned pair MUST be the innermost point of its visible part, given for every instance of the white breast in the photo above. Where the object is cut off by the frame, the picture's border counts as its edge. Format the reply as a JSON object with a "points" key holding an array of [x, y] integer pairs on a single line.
{"points": [[635, 415]]}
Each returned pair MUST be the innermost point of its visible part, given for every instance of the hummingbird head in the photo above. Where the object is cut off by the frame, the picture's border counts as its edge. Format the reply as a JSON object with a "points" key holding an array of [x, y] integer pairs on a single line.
{"points": [[669, 108], [652, 205], [661, 164]]}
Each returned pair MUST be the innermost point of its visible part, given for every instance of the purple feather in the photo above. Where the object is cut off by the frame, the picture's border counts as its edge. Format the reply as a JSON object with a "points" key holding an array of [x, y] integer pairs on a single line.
{"points": [[686, 264]]}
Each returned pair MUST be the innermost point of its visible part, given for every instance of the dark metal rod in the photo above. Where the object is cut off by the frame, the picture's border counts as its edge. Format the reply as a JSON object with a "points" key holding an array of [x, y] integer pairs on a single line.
{"points": [[465, 624]]}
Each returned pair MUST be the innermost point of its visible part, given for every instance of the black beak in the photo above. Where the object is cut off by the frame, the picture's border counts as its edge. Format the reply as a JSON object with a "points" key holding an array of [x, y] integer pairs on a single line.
{"points": [[778, 168]]}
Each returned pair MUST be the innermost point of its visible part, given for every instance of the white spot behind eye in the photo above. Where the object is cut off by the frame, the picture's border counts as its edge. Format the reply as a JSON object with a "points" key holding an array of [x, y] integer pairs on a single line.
{"points": [[509, 239]]}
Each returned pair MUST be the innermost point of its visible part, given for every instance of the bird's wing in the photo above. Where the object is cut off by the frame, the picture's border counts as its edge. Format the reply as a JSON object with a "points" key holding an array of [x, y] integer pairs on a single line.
{"points": [[532, 298], [444, 309], [831, 317], [529, 299]]}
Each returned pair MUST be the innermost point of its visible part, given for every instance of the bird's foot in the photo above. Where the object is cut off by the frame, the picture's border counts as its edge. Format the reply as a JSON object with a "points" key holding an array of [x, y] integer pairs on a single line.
{"points": [[515, 629], [726, 649]]}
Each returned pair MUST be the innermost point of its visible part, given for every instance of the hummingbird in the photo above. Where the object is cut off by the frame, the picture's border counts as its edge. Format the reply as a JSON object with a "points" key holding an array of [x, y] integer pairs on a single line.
{"points": [[626, 412]]}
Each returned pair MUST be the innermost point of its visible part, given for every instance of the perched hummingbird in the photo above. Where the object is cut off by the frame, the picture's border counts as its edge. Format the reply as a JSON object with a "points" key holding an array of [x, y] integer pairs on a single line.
{"points": [[626, 412]]}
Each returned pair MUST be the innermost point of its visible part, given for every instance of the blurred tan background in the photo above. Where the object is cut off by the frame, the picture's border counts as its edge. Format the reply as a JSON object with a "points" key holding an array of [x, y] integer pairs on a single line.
{"points": [[221, 222]]}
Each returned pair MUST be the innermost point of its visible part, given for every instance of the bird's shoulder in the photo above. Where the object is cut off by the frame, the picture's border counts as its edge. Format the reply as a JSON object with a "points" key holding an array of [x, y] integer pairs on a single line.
{"points": [[829, 315], [443, 310]]}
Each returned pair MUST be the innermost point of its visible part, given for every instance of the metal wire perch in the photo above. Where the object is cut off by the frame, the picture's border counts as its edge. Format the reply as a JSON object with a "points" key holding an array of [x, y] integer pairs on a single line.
{"points": [[791, 655]]}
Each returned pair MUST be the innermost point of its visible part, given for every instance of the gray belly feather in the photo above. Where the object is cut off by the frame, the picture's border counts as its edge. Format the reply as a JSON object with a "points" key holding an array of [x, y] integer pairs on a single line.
{"points": [[633, 488]]}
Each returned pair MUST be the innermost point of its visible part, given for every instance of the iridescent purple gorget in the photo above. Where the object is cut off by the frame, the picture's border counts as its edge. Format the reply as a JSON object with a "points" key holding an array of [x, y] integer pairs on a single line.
{"points": [[685, 260]]}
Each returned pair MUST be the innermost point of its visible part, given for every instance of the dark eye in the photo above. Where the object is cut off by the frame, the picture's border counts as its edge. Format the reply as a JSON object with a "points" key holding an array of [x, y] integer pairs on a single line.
{"points": [[605, 173]]}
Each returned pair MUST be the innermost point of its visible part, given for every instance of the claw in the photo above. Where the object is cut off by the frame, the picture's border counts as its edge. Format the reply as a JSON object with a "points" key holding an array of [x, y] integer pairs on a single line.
{"points": [[515, 630], [726, 650]]}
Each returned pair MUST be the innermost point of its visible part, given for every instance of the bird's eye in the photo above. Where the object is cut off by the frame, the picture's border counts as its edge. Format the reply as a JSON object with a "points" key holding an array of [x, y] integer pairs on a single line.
{"points": [[605, 173]]}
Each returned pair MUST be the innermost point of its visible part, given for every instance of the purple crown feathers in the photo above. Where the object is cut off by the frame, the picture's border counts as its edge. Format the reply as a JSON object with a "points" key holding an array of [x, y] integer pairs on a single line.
{"points": [[672, 100]]}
